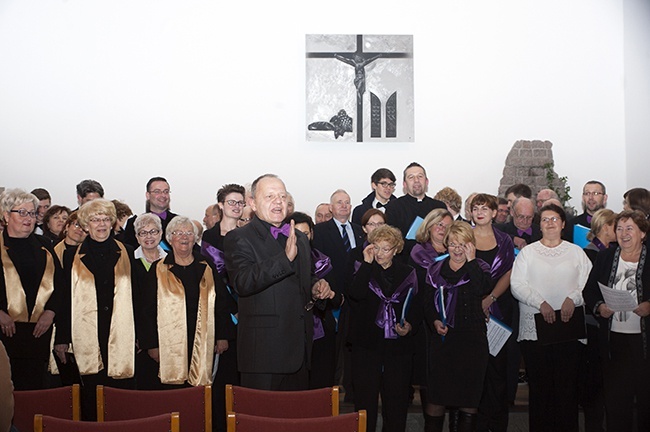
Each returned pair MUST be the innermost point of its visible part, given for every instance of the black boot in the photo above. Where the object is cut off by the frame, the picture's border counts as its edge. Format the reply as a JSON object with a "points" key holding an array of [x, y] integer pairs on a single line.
{"points": [[453, 419], [466, 422], [433, 423]]}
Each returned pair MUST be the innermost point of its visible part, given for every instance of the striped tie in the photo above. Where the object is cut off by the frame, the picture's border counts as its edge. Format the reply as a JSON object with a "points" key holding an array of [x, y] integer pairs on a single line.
{"points": [[346, 239]]}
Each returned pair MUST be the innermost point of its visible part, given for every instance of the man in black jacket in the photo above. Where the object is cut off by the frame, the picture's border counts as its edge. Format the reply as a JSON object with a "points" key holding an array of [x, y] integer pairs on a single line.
{"points": [[382, 182]]}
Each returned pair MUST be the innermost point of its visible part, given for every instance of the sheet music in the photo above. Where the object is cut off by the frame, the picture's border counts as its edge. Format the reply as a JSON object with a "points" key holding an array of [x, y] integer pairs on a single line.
{"points": [[618, 300], [497, 334]]}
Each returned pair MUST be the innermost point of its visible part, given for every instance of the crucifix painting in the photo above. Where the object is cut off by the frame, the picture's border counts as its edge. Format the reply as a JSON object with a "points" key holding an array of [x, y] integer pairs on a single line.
{"points": [[359, 88]]}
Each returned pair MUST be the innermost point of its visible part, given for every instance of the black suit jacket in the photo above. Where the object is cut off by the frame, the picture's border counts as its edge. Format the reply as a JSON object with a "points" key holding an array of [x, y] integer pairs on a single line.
{"points": [[275, 330], [328, 240], [366, 204], [510, 229]]}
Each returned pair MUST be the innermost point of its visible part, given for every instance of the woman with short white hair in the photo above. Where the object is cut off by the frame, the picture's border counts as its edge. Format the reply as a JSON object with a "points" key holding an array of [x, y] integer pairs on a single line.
{"points": [[29, 280], [182, 339]]}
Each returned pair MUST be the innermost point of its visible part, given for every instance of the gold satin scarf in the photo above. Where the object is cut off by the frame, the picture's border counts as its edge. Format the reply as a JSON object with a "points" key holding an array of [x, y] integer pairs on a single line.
{"points": [[172, 329], [121, 339], [16, 299]]}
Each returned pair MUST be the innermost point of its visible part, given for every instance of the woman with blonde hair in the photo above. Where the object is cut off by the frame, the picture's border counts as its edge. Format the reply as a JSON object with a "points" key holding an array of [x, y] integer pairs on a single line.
{"points": [[97, 314], [602, 232], [384, 306], [459, 347]]}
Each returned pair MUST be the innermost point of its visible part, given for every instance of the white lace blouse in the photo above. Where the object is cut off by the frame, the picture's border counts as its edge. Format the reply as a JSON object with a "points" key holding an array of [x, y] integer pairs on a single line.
{"points": [[547, 274]]}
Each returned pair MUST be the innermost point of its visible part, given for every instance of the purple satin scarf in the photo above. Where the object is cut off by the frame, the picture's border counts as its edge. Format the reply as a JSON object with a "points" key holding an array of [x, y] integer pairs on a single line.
{"points": [[424, 254], [386, 317], [502, 263], [322, 265], [216, 255], [440, 286]]}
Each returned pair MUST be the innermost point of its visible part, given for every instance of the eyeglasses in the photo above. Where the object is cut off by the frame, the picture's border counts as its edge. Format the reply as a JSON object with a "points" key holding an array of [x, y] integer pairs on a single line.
{"points": [[376, 224], [96, 220], [593, 194], [390, 185], [383, 250], [154, 232], [523, 218], [440, 226], [245, 219], [160, 192], [75, 225], [455, 246], [183, 233], [234, 203], [24, 213], [550, 219]]}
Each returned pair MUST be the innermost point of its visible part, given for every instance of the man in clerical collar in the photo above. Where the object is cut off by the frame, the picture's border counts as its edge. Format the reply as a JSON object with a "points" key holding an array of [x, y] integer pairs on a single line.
{"points": [[408, 211], [269, 267], [521, 228], [594, 198], [383, 185]]}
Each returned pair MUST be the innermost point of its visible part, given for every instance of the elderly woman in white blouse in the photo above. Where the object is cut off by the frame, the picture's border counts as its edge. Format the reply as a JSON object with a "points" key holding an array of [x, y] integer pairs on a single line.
{"points": [[549, 276]]}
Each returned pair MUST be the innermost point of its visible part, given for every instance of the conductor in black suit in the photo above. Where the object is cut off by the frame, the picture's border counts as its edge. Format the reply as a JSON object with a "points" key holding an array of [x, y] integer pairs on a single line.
{"points": [[269, 267]]}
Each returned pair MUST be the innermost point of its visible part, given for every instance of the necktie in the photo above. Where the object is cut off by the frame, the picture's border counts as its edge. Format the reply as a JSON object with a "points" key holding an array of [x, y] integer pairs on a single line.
{"points": [[379, 205], [346, 239]]}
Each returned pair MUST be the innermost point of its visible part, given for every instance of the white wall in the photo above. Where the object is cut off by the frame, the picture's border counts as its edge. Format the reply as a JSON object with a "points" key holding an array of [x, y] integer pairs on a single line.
{"points": [[206, 93]]}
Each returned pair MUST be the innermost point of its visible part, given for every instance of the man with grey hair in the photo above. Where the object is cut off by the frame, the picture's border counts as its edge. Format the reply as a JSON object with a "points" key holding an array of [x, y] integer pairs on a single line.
{"points": [[521, 228], [269, 267]]}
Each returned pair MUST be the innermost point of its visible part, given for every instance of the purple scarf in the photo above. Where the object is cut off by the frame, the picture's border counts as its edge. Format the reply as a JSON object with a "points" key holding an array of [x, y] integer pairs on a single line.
{"points": [[424, 254], [502, 263], [216, 255], [440, 286], [322, 265], [386, 317]]}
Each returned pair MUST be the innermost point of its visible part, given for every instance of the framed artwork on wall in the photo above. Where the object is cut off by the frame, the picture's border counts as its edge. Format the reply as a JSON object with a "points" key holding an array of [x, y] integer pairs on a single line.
{"points": [[359, 88]]}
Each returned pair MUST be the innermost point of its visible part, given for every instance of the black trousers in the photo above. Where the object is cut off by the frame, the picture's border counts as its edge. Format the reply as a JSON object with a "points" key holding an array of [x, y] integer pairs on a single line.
{"points": [[493, 408], [626, 378], [386, 374], [553, 385]]}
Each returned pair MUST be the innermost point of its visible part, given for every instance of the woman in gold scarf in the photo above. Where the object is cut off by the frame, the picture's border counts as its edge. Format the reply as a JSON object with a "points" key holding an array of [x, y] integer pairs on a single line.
{"points": [[29, 273], [182, 339], [97, 318]]}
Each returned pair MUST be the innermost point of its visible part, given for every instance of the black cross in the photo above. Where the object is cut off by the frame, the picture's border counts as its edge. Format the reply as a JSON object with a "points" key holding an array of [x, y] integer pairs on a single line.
{"points": [[359, 60]]}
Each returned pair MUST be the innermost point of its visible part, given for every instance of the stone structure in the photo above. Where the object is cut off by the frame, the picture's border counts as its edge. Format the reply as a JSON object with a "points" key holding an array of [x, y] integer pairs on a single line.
{"points": [[526, 163]]}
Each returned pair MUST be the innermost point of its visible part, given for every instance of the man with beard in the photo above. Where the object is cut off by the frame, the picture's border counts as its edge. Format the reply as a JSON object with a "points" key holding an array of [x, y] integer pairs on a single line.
{"points": [[594, 198], [158, 201]]}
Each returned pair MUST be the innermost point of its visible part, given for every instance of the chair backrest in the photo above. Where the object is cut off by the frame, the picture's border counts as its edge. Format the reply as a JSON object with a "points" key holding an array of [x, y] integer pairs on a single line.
{"points": [[62, 402], [161, 423], [352, 422], [193, 403], [288, 404]]}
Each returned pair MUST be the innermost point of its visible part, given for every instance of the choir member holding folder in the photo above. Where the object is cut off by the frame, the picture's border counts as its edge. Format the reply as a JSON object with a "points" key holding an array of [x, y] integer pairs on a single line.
{"points": [[549, 276], [459, 347], [624, 335], [384, 309]]}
